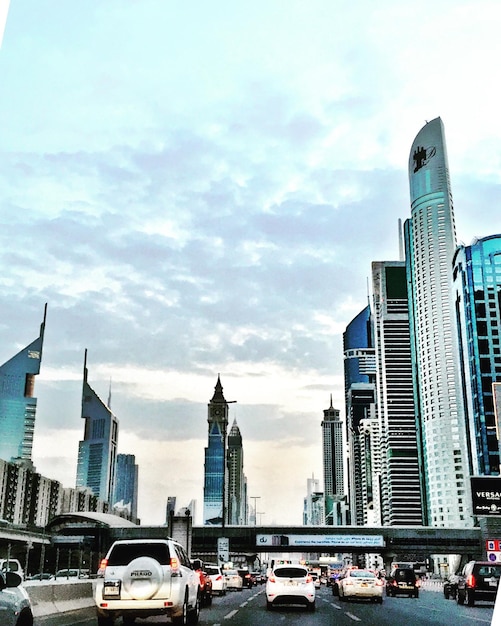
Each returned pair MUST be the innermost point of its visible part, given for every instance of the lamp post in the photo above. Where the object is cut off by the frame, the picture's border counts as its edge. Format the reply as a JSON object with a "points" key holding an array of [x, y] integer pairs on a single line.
{"points": [[255, 508]]}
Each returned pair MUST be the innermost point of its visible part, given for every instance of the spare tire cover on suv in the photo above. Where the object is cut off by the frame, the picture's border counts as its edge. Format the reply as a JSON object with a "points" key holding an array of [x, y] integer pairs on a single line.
{"points": [[142, 578]]}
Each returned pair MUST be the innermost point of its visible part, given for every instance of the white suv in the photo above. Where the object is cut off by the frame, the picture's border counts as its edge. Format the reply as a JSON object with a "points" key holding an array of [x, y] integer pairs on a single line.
{"points": [[145, 577]]}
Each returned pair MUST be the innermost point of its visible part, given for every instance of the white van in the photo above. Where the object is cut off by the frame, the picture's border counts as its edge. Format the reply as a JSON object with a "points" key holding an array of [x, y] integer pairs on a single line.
{"points": [[12, 565]]}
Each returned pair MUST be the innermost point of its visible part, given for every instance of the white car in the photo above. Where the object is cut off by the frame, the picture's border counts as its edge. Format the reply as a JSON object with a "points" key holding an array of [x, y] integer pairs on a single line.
{"points": [[15, 606], [145, 577], [361, 583], [290, 584], [11, 565], [233, 580], [219, 584]]}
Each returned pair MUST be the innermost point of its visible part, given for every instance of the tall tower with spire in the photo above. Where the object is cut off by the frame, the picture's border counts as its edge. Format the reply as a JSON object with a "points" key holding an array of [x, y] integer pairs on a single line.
{"points": [[215, 479], [17, 402], [97, 452]]}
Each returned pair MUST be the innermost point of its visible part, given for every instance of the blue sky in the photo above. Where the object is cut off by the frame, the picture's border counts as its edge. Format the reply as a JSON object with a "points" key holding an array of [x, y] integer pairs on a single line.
{"points": [[200, 188]]}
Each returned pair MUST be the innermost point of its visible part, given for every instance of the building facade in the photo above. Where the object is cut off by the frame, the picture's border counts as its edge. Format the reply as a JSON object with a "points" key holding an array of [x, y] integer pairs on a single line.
{"points": [[313, 503], [430, 240], [361, 424], [401, 498], [215, 477], [97, 451], [126, 486], [477, 288], [17, 402], [237, 482]]}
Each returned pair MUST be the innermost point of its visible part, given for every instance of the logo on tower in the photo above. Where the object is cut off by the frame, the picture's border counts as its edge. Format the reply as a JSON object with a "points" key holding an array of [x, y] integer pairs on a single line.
{"points": [[422, 156]]}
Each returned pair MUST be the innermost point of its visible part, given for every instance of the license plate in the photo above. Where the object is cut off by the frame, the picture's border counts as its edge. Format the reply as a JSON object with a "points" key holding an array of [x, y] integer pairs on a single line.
{"points": [[112, 589], [493, 583], [292, 583], [364, 585]]}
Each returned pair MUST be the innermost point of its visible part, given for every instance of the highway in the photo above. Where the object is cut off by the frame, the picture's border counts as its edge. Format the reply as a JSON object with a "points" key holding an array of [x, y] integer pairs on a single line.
{"points": [[247, 608]]}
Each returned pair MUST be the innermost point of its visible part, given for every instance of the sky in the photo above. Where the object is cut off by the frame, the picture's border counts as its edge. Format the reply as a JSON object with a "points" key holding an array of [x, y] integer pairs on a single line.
{"points": [[200, 188]]}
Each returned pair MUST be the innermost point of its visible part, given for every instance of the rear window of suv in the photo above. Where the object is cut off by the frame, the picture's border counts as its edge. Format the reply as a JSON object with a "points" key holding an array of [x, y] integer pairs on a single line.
{"points": [[123, 554], [489, 570], [404, 574], [290, 572]]}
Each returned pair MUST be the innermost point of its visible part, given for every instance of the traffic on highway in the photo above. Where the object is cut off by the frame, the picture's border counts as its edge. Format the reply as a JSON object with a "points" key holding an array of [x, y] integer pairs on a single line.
{"points": [[248, 607]]}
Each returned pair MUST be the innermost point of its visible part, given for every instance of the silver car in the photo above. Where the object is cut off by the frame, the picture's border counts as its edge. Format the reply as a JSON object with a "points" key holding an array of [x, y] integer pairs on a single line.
{"points": [[15, 606]]}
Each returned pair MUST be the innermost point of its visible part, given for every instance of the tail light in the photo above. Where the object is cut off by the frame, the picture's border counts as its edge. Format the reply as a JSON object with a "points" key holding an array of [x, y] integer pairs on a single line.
{"points": [[379, 582], [309, 578], [102, 567], [272, 579], [418, 582], [219, 577], [174, 563], [471, 582]]}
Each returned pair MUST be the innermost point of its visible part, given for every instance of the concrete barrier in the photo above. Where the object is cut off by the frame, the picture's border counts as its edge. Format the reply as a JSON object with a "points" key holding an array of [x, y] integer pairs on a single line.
{"points": [[58, 597]]}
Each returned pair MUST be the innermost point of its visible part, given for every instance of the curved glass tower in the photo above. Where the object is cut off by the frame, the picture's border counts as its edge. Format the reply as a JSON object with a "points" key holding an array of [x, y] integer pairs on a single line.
{"points": [[431, 243], [17, 404]]}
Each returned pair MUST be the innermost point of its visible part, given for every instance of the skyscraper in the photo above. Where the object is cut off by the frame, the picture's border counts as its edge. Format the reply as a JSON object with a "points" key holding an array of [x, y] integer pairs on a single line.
{"points": [[401, 501], [333, 462], [361, 425], [430, 239], [126, 485], [17, 403], [98, 450], [477, 284], [237, 482], [215, 479]]}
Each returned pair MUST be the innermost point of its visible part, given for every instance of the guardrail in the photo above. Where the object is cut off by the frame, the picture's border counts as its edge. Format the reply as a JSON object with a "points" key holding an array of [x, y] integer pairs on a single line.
{"points": [[48, 598]]}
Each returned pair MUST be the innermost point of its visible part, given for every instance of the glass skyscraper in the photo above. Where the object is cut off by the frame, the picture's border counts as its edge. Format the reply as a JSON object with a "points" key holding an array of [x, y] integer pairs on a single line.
{"points": [[98, 450], [430, 238], [215, 478], [361, 425], [126, 485], [17, 403], [477, 283]]}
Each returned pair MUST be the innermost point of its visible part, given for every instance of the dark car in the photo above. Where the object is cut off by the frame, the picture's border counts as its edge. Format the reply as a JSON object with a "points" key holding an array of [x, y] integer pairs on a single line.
{"points": [[478, 581], [451, 586], [402, 581], [247, 578]]}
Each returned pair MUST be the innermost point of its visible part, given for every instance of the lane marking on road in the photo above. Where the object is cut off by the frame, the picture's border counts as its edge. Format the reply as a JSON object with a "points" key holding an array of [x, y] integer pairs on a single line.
{"points": [[353, 617], [335, 606], [231, 614], [244, 604]]}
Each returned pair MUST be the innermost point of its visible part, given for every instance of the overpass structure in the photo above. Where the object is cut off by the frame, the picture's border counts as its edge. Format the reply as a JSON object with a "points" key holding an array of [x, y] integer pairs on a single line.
{"points": [[388, 541], [76, 537]]}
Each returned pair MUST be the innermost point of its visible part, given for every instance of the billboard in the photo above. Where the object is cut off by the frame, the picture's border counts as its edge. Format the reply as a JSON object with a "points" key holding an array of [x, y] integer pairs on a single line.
{"points": [[486, 495], [322, 541]]}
